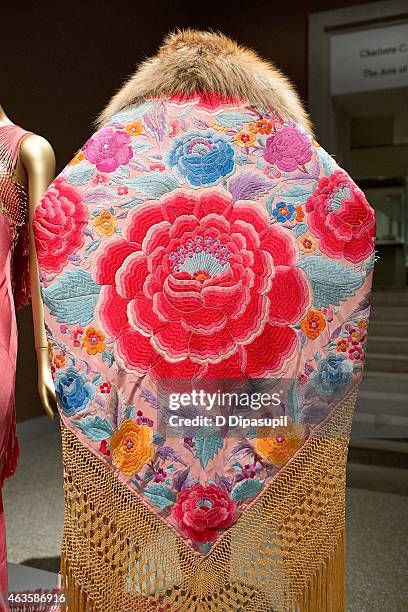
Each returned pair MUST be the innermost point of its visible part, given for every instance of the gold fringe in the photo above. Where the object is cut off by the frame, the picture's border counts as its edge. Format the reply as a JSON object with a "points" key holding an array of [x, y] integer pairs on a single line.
{"points": [[284, 554]]}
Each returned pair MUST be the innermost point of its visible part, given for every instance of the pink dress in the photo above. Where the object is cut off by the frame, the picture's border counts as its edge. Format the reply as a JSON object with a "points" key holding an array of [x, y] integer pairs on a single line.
{"points": [[14, 292]]}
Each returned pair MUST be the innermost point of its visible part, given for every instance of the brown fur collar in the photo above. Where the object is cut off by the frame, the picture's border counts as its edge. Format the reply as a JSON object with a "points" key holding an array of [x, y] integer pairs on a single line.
{"points": [[192, 62]]}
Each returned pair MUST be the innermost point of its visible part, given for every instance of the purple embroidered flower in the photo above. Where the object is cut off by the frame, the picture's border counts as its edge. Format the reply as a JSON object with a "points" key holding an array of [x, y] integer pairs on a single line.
{"points": [[288, 148], [108, 149]]}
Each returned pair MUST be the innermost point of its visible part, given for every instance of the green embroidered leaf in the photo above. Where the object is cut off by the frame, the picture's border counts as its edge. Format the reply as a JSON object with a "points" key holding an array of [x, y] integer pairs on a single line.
{"points": [[300, 229], [160, 495], [232, 118], [153, 185], [158, 438], [207, 442], [95, 428], [246, 488], [72, 298], [331, 282], [80, 176]]}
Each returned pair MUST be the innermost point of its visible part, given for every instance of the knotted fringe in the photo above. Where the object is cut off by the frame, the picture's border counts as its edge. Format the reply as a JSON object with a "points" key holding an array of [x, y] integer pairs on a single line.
{"points": [[324, 593], [11, 452]]}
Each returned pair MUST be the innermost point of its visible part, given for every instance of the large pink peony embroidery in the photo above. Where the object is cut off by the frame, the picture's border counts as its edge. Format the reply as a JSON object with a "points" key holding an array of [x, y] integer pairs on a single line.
{"points": [[201, 286], [341, 217], [58, 224], [202, 513], [108, 149], [288, 148]]}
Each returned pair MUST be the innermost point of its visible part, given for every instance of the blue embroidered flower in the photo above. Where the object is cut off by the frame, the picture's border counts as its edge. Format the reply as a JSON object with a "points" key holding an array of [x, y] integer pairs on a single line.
{"points": [[74, 391], [333, 374], [284, 212], [202, 158]]}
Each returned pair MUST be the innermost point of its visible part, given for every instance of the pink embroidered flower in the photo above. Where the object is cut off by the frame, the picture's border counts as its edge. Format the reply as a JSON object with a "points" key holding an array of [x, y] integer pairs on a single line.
{"points": [[108, 149], [201, 512], [157, 166], [122, 190], [59, 220], [201, 285], [356, 353], [341, 217], [100, 179], [288, 148], [77, 335]]}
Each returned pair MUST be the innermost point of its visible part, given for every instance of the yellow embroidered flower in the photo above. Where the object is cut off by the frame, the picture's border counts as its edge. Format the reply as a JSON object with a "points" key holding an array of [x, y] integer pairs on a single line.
{"points": [[245, 138], [217, 126], [307, 244], [131, 447], [105, 223], [78, 157], [93, 341], [134, 129], [59, 360], [252, 127], [278, 444], [313, 324], [363, 324]]}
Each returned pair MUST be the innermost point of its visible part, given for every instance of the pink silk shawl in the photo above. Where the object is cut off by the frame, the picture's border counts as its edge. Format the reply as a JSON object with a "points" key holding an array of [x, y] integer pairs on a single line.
{"points": [[201, 240]]}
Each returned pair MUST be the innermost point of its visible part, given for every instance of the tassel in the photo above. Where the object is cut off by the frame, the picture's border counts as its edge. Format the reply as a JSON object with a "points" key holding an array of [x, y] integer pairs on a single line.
{"points": [[325, 591]]}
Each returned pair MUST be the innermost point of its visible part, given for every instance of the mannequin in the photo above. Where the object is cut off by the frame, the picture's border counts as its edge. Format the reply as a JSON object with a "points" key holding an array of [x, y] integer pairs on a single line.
{"points": [[35, 170], [27, 165]]}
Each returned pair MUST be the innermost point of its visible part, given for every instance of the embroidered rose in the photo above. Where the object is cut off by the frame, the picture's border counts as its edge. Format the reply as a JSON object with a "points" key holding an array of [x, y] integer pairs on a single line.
{"points": [[202, 512], [288, 148], [199, 285], [333, 374], [108, 149], [342, 219], [73, 390], [277, 445], [58, 225], [131, 447], [202, 158]]}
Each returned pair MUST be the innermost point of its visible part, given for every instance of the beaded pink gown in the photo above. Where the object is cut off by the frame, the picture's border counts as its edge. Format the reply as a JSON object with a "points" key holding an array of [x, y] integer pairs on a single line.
{"points": [[14, 292]]}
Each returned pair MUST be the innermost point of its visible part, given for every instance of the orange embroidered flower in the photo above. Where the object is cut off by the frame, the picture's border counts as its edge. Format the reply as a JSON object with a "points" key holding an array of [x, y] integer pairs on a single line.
{"points": [[78, 157], [105, 223], [277, 445], [131, 447], [342, 345], [299, 213], [307, 244], [134, 129], [245, 138], [263, 126], [313, 324], [59, 360], [93, 341]]}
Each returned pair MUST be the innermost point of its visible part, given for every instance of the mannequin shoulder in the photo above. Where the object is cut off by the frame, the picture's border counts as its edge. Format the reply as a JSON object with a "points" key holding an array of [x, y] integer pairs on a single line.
{"points": [[37, 153]]}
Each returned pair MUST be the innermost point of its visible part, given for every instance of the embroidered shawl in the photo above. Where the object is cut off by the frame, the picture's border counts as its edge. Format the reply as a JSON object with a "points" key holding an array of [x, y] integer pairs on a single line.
{"points": [[203, 236]]}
